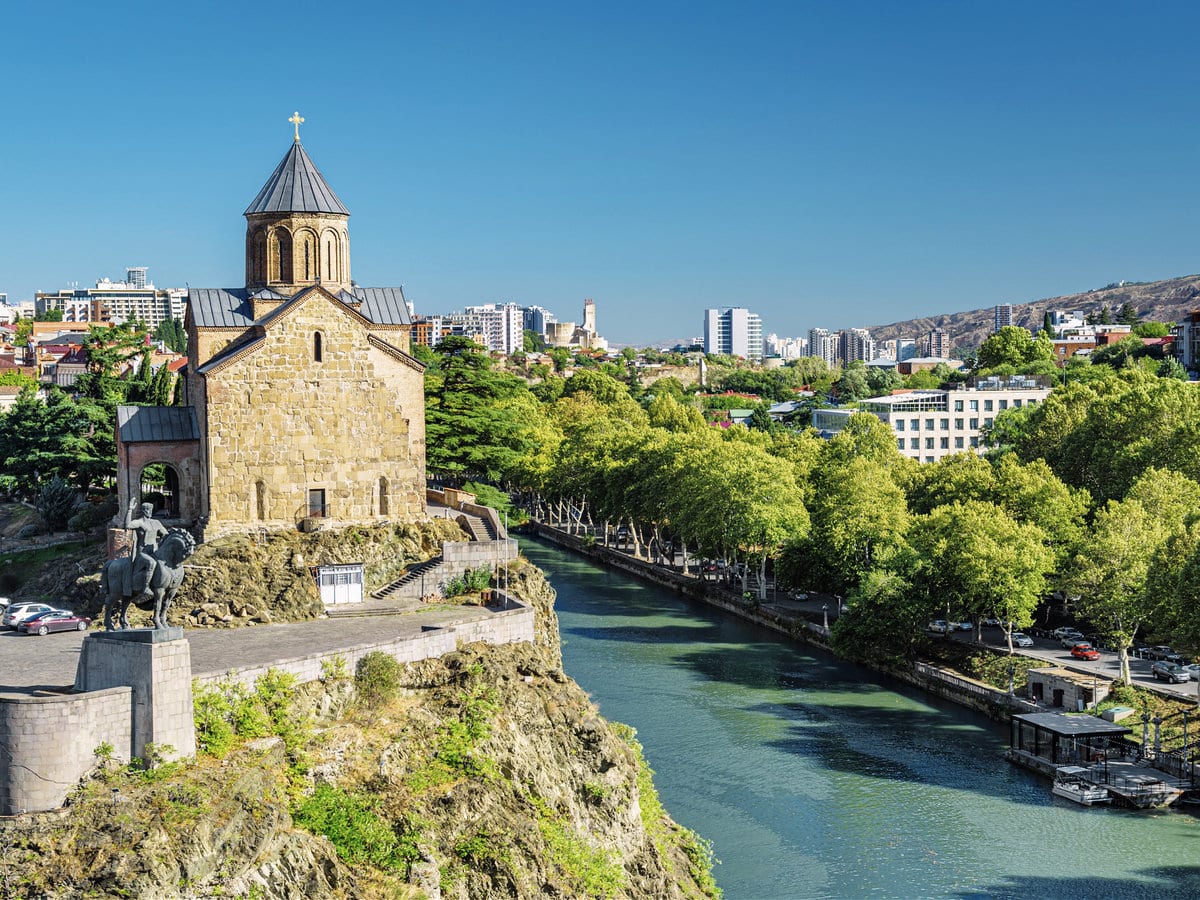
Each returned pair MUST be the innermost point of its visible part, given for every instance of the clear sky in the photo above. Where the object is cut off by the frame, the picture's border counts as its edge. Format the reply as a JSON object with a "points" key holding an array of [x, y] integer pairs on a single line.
{"points": [[826, 164]]}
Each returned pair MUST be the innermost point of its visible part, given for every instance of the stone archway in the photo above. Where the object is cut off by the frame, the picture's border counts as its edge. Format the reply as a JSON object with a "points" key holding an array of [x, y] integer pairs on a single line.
{"points": [[160, 486]]}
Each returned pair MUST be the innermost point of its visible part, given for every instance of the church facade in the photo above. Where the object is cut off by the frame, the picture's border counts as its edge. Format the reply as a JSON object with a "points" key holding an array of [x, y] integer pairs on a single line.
{"points": [[303, 404]]}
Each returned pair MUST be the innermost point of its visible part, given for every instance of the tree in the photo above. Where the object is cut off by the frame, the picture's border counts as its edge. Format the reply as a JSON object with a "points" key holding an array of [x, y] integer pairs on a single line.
{"points": [[171, 333], [1152, 329], [472, 430], [1172, 368], [980, 562], [23, 330], [1128, 314], [1121, 354], [1048, 324], [49, 315], [1014, 346], [61, 437], [1106, 317], [532, 341], [560, 357], [852, 386]]}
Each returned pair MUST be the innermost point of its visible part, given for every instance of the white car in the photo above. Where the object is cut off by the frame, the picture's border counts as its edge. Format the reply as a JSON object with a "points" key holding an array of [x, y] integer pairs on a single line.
{"points": [[15, 614], [1021, 640]]}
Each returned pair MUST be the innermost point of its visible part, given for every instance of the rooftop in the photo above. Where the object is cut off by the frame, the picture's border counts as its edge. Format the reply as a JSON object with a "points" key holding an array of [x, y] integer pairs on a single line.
{"points": [[296, 186]]}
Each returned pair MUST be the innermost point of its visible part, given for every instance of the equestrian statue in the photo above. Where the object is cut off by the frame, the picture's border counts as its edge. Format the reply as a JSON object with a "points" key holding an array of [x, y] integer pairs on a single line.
{"points": [[151, 575]]}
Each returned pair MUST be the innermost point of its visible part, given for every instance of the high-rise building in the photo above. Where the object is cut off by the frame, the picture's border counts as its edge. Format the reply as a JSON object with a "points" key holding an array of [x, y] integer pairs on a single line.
{"points": [[733, 331], [823, 344], [135, 276], [937, 343], [537, 318], [1003, 316], [855, 345], [502, 325], [785, 348]]}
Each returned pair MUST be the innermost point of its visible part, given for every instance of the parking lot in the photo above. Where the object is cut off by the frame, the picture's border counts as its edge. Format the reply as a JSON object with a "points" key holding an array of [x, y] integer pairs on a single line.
{"points": [[1051, 650]]}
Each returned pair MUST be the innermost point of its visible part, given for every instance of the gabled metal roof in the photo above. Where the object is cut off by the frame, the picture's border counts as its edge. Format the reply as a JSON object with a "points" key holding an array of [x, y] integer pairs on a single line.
{"points": [[146, 424], [296, 186], [233, 307], [383, 306], [221, 307]]}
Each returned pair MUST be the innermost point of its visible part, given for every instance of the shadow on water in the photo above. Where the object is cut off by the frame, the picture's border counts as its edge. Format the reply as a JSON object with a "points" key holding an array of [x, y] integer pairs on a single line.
{"points": [[1168, 882]]}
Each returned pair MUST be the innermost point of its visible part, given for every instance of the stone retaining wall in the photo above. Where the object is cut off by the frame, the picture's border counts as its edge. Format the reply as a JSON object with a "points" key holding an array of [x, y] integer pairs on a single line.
{"points": [[506, 626], [48, 743]]}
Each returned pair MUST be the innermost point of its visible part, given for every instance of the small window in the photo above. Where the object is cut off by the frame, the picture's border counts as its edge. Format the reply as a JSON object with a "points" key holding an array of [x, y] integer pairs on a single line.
{"points": [[987, 405], [914, 443], [958, 406], [928, 443], [974, 424], [987, 423], [974, 406], [915, 424], [958, 424], [899, 424], [316, 503], [899, 443], [929, 424], [317, 349], [974, 442], [945, 424], [929, 459], [1004, 404], [958, 443], [1017, 404], [945, 443]]}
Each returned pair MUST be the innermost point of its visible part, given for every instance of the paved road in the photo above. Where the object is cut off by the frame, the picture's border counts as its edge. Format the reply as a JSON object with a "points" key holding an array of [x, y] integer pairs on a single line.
{"points": [[1104, 667], [28, 662]]}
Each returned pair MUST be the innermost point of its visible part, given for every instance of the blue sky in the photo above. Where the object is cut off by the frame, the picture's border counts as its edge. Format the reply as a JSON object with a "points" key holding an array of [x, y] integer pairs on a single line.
{"points": [[825, 164]]}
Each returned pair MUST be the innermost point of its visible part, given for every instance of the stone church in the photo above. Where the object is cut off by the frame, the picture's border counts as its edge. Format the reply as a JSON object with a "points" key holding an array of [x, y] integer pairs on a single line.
{"points": [[304, 405]]}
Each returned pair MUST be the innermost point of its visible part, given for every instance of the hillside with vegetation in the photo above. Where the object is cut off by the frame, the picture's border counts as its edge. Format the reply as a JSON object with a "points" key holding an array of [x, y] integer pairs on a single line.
{"points": [[1156, 301]]}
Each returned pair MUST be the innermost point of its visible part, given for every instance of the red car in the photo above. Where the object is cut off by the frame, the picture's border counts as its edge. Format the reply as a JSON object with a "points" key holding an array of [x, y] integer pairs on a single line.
{"points": [[1085, 651], [57, 620]]}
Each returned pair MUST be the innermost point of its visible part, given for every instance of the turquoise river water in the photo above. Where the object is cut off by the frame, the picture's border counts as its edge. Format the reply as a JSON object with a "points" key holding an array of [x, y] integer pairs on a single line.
{"points": [[814, 777]]}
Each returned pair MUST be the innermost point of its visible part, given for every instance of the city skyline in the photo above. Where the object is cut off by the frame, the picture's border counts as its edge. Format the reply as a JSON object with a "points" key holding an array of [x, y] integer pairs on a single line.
{"points": [[883, 162]]}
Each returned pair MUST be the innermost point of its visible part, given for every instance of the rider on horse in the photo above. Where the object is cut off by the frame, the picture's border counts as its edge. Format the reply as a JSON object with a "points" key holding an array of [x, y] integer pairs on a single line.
{"points": [[148, 531]]}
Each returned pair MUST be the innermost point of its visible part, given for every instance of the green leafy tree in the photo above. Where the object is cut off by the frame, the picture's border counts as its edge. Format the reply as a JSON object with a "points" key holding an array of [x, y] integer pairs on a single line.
{"points": [[172, 334], [853, 386], [1013, 346], [532, 341], [1048, 324], [1151, 329], [23, 330], [56, 437], [1172, 368], [979, 561], [49, 315], [1127, 315], [472, 430]]}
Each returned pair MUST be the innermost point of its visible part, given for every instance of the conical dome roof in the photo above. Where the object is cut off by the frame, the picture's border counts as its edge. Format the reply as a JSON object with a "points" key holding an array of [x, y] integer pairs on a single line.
{"points": [[296, 186]]}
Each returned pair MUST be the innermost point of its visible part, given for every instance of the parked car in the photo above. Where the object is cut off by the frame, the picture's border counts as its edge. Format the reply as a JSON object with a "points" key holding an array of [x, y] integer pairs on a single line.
{"points": [[940, 626], [1163, 652], [18, 613], [1070, 639], [1194, 671], [1169, 671], [991, 622], [58, 620], [963, 626], [1021, 640], [1059, 633], [1085, 650]]}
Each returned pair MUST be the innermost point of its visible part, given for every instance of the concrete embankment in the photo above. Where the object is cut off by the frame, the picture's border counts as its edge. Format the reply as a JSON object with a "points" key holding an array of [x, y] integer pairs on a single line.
{"points": [[948, 685]]}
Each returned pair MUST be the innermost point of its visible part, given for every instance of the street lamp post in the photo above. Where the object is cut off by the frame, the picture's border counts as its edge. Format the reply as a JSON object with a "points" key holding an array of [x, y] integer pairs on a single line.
{"points": [[825, 614], [1145, 733]]}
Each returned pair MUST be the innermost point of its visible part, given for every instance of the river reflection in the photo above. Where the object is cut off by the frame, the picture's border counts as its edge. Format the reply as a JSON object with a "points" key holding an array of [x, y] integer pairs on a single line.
{"points": [[816, 778]]}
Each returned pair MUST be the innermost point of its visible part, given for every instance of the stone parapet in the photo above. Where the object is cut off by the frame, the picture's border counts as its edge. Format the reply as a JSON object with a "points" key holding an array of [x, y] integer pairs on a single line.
{"points": [[48, 743]]}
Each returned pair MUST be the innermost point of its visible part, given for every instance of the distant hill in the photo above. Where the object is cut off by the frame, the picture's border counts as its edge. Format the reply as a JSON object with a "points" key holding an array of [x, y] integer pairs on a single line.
{"points": [[1155, 301]]}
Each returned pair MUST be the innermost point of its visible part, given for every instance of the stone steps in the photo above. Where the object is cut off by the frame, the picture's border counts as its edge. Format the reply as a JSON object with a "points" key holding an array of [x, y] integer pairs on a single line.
{"points": [[427, 575]]}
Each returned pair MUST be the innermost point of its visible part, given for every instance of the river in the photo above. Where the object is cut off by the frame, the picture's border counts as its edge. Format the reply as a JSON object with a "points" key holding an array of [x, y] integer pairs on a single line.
{"points": [[814, 777]]}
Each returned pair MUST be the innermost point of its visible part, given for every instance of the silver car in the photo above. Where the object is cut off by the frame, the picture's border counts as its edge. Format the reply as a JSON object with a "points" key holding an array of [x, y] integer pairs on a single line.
{"points": [[19, 612]]}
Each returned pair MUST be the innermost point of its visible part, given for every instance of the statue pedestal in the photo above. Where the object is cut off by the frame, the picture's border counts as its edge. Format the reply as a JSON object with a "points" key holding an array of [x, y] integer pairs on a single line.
{"points": [[157, 664]]}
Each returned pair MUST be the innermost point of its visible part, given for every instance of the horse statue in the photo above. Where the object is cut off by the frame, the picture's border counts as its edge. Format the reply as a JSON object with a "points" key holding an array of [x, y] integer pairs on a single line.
{"points": [[165, 570]]}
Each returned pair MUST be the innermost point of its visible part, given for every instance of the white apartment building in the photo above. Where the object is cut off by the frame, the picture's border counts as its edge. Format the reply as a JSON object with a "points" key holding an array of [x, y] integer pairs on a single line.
{"points": [[733, 331], [132, 300], [930, 425], [501, 324], [823, 344], [785, 348], [855, 345]]}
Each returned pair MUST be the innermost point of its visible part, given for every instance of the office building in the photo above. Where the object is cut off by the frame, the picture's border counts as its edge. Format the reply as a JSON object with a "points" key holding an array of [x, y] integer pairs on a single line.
{"points": [[502, 325], [937, 343], [929, 425], [733, 331], [855, 345]]}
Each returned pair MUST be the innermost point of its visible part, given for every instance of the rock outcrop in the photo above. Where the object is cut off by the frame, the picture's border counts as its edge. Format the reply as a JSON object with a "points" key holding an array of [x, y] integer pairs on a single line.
{"points": [[489, 773]]}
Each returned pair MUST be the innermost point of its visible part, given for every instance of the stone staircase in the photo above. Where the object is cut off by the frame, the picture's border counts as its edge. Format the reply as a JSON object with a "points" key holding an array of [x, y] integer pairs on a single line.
{"points": [[423, 578], [478, 528]]}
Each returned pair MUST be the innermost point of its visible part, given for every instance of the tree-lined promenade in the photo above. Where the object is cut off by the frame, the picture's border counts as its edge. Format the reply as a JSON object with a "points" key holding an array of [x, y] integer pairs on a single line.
{"points": [[1093, 493]]}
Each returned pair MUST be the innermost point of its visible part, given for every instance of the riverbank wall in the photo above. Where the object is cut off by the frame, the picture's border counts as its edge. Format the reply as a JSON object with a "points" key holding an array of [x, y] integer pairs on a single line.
{"points": [[943, 683]]}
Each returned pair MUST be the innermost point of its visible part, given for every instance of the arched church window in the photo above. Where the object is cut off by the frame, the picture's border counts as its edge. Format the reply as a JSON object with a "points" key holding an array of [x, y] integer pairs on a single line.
{"points": [[317, 350], [284, 270], [307, 260], [383, 496], [260, 500]]}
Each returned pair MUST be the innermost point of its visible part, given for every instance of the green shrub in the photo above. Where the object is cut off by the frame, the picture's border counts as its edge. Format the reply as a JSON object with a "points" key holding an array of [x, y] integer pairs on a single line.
{"points": [[92, 515], [377, 678], [478, 579], [354, 828]]}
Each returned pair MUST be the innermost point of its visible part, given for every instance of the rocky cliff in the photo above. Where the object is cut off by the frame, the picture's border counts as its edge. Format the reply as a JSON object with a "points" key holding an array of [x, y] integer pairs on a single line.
{"points": [[487, 773]]}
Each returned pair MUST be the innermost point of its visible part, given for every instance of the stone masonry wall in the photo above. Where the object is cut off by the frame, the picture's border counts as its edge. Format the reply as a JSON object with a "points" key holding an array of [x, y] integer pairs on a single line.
{"points": [[279, 418], [508, 626], [47, 743]]}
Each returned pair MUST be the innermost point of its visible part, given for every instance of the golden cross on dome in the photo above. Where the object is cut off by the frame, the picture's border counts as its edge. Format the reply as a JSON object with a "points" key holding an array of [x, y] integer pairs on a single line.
{"points": [[296, 119]]}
